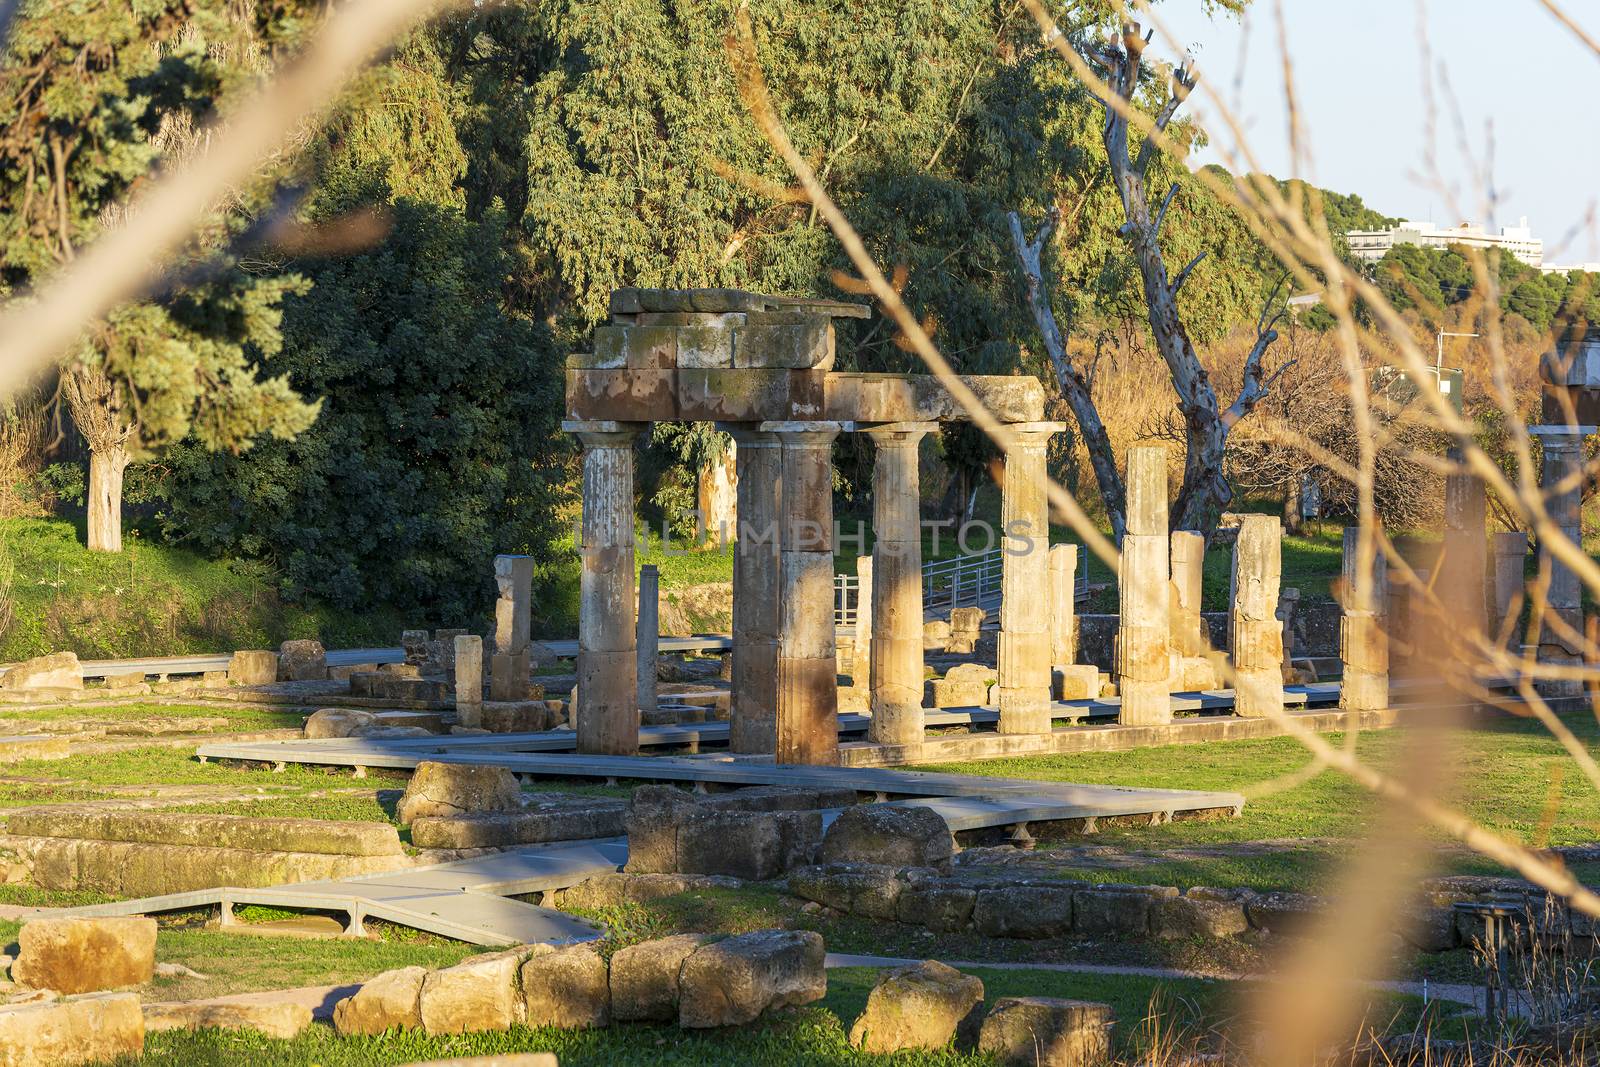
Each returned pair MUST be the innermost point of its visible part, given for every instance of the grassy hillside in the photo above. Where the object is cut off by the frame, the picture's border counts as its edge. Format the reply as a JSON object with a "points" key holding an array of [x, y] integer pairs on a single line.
{"points": [[151, 600]]}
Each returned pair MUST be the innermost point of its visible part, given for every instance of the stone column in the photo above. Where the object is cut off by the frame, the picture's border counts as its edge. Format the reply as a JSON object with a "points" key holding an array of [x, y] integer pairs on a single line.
{"points": [[1188, 572], [469, 680], [513, 618], [1560, 646], [1363, 640], [648, 634], [1063, 605], [753, 716], [1025, 637], [1142, 651], [808, 694], [1256, 631], [1463, 565], [1510, 558], [896, 653], [608, 698], [861, 653]]}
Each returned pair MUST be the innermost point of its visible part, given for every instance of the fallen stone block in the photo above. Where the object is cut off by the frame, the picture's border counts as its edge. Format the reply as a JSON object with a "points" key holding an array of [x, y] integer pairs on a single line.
{"points": [[1076, 681], [126, 679], [479, 993], [560, 821], [569, 989], [1046, 1032], [343, 672], [92, 1029], [282, 1021], [84, 955], [389, 1001], [502, 1059], [253, 667], [1283, 913], [922, 1006], [58, 670], [731, 982], [644, 978], [392, 733], [302, 661], [1023, 911], [889, 834], [863, 889], [458, 789], [387, 685], [515, 717], [337, 722], [935, 635]]}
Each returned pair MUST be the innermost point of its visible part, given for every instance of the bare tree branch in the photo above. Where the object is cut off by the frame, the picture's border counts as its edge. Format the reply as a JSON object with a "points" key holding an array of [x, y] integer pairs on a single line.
{"points": [[1074, 385], [1183, 275]]}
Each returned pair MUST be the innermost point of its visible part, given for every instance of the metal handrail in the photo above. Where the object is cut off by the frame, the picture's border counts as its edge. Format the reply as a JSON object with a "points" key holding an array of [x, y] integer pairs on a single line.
{"points": [[957, 582]]}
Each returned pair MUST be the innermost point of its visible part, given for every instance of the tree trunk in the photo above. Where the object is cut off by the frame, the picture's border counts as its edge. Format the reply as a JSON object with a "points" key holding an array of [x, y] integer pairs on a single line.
{"points": [[105, 498], [1292, 518]]}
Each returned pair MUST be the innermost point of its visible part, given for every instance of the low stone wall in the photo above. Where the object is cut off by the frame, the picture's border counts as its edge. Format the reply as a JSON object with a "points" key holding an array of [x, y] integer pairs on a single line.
{"points": [[757, 834], [1031, 908], [319, 836], [555, 819], [150, 853], [129, 869]]}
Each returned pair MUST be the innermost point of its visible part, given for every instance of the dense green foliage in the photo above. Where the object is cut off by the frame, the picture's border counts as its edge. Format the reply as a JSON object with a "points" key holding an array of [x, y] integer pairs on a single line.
{"points": [[95, 95], [420, 468], [1431, 280]]}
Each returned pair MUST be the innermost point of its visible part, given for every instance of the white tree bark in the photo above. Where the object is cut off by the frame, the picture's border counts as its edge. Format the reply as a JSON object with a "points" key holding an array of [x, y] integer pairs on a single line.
{"points": [[105, 498], [97, 409]]}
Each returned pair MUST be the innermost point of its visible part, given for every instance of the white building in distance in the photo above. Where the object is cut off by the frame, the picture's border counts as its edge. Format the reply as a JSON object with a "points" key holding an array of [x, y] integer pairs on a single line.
{"points": [[1517, 240]]}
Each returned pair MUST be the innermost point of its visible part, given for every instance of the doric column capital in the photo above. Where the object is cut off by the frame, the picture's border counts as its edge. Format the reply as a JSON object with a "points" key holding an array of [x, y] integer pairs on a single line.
{"points": [[805, 434], [899, 434], [1030, 435], [605, 433], [749, 435]]}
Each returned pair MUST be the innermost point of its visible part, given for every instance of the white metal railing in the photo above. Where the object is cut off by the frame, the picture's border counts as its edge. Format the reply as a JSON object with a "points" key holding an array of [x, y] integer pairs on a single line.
{"points": [[958, 582]]}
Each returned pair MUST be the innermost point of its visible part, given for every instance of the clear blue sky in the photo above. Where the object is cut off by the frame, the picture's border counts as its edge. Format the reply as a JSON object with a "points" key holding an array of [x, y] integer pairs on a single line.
{"points": [[1359, 76]]}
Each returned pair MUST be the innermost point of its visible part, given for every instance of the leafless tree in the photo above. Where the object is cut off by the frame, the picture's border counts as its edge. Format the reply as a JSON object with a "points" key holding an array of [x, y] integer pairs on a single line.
{"points": [[1205, 491]]}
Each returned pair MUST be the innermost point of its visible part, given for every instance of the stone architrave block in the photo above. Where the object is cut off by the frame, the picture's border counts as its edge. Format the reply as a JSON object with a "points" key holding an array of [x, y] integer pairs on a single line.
{"points": [[1047, 1032], [635, 348], [390, 1001], [75, 954], [802, 345], [644, 978], [921, 1006], [95, 1029], [731, 982], [253, 667], [568, 989]]}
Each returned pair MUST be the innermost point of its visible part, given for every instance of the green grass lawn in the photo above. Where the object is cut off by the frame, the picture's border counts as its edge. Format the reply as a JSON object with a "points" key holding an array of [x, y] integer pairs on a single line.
{"points": [[239, 718], [1510, 776], [155, 600]]}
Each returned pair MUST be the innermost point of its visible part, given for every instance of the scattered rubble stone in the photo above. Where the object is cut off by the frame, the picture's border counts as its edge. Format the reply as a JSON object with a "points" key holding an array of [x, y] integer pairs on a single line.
{"points": [[302, 661], [58, 670], [731, 982], [479, 993], [922, 1006], [889, 834], [337, 722], [456, 789], [92, 1029], [390, 1001], [281, 1020], [1046, 1032], [568, 988], [74, 954], [644, 978]]}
